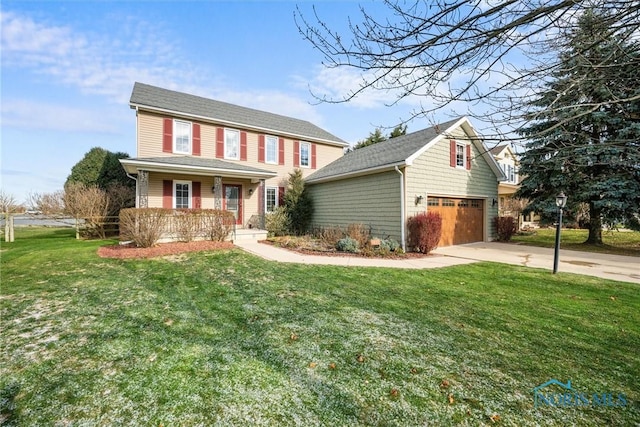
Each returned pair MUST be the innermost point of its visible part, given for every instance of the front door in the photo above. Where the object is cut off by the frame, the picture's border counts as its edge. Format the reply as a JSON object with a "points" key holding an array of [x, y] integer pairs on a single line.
{"points": [[233, 200]]}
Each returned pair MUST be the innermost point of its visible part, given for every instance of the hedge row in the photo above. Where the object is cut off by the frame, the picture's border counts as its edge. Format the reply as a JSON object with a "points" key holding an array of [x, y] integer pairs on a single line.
{"points": [[144, 227]]}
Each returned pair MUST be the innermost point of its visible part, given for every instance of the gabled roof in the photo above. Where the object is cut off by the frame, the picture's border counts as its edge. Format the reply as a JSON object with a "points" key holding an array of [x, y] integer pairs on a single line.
{"points": [[399, 151], [154, 98], [195, 165], [498, 149]]}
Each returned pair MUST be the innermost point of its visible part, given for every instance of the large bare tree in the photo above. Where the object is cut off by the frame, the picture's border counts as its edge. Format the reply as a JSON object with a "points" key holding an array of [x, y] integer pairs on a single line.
{"points": [[495, 53]]}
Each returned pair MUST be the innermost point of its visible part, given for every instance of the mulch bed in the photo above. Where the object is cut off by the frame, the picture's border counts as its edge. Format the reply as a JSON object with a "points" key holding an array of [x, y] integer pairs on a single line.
{"points": [[334, 253], [164, 249]]}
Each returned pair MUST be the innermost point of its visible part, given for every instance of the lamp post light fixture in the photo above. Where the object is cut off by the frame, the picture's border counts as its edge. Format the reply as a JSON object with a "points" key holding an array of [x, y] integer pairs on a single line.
{"points": [[561, 202]]}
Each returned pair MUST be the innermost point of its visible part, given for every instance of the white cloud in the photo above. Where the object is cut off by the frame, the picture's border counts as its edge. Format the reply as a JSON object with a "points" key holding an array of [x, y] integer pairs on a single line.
{"points": [[136, 51], [335, 84], [21, 113], [91, 62]]}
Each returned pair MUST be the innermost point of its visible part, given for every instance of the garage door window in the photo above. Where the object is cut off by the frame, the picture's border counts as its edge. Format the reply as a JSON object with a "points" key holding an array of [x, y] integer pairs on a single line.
{"points": [[433, 202], [448, 202]]}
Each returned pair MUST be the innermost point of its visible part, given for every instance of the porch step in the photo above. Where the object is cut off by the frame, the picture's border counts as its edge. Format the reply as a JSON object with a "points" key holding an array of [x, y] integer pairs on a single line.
{"points": [[254, 234]]}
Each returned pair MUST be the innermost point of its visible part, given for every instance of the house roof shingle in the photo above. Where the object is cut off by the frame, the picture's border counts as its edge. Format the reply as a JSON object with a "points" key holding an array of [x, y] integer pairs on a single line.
{"points": [[194, 163], [145, 95], [387, 153], [497, 149]]}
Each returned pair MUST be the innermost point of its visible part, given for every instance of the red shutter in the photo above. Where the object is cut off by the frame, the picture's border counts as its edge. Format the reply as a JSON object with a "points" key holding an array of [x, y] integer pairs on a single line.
{"points": [[296, 154], [468, 157], [313, 156], [167, 135], [196, 139], [280, 196], [220, 143], [167, 194], [243, 146], [196, 200], [452, 153], [261, 148], [281, 151]]}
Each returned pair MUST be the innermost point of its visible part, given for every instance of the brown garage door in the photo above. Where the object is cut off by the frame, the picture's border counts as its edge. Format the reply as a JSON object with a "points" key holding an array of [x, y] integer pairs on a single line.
{"points": [[462, 219]]}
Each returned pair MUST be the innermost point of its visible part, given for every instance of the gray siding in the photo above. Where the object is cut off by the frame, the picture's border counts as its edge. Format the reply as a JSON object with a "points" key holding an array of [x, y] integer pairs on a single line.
{"points": [[373, 200]]}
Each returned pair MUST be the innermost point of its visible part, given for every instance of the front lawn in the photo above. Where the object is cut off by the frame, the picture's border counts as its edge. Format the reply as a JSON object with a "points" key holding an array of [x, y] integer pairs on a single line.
{"points": [[227, 338], [614, 242]]}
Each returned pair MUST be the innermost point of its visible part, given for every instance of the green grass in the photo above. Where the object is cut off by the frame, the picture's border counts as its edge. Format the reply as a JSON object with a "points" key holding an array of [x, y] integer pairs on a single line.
{"points": [[614, 242], [230, 339]]}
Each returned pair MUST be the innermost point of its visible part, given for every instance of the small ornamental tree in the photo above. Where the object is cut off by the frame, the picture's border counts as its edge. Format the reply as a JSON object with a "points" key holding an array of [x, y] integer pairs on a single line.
{"points": [[425, 230], [298, 204]]}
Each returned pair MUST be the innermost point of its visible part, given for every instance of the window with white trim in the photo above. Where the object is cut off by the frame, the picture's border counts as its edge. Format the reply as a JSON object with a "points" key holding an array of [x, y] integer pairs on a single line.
{"points": [[271, 196], [271, 149], [182, 194], [305, 154], [231, 144], [460, 155], [181, 137]]}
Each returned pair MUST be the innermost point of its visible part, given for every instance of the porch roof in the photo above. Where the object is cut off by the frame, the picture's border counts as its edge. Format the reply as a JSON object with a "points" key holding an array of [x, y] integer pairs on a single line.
{"points": [[195, 166]]}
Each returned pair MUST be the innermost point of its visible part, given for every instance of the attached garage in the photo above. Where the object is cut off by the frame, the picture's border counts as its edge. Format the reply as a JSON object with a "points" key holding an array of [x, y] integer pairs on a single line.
{"points": [[462, 219], [445, 168]]}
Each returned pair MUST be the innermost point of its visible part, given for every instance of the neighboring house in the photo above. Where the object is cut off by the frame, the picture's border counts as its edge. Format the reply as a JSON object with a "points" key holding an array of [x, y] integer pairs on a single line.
{"points": [[444, 169], [194, 152], [507, 204]]}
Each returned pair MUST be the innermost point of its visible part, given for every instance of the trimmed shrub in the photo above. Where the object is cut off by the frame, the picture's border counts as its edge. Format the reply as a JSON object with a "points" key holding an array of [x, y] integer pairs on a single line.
{"points": [[347, 244], [505, 228], [425, 230], [216, 224], [277, 222], [143, 227], [187, 223]]}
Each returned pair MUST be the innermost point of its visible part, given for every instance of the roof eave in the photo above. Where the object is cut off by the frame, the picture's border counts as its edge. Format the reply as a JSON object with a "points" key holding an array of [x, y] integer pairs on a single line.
{"points": [[357, 173], [133, 166], [236, 124]]}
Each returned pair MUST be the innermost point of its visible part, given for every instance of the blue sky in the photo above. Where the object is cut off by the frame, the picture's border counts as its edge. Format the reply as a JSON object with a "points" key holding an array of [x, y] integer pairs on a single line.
{"points": [[68, 69]]}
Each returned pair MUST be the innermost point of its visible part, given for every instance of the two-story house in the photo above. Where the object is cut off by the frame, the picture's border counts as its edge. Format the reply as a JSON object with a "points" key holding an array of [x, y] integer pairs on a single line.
{"points": [[194, 152]]}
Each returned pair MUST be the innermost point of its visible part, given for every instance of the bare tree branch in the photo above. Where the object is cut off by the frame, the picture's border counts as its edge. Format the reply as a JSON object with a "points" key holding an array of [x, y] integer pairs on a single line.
{"points": [[448, 51]]}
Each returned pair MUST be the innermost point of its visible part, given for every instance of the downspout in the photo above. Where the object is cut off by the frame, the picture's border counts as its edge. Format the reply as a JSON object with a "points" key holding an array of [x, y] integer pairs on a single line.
{"points": [[402, 222]]}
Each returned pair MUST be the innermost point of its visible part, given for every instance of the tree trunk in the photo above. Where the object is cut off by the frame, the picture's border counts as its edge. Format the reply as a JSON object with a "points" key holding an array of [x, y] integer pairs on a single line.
{"points": [[595, 226]]}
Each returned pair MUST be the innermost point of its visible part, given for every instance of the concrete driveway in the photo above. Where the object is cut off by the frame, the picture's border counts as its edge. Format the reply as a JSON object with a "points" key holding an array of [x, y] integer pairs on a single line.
{"points": [[615, 267]]}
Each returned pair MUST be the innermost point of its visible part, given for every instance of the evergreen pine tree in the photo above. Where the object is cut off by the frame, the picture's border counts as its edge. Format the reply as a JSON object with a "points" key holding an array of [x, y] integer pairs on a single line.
{"points": [[590, 153]]}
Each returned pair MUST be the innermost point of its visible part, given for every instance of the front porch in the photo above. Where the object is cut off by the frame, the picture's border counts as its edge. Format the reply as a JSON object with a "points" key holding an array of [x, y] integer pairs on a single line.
{"points": [[183, 183]]}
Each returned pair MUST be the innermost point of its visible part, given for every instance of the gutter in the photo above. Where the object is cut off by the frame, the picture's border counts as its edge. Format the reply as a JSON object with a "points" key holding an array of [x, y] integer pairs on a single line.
{"points": [[353, 174], [402, 222]]}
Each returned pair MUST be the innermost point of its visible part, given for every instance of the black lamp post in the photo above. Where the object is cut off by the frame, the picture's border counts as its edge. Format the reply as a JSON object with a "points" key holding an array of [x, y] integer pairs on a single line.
{"points": [[561, 201]]}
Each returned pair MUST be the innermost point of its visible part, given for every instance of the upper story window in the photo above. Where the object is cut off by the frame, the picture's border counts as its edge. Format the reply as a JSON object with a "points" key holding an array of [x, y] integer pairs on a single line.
{"points": [[510, 172], [460, 155], [231, 144], [271, 149], [305, 154], [181, 137]]}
